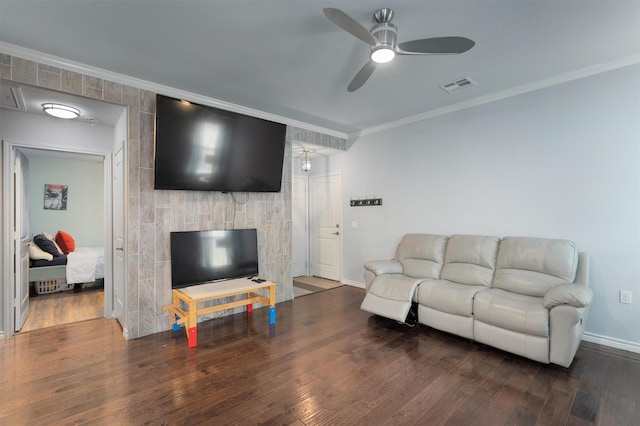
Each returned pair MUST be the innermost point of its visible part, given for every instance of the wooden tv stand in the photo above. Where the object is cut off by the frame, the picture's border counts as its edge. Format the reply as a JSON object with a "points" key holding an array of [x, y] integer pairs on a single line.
{"points": [[193, 295]]}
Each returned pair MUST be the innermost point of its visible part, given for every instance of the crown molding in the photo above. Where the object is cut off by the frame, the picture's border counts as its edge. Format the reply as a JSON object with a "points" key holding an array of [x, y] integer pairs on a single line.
{"points": [[515, 91], [55, 61]]}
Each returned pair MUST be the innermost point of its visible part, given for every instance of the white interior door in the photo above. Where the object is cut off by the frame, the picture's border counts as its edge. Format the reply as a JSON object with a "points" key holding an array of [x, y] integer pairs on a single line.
{"points": [[326, 226], [118, 236], [300, 226], [21, 240]]}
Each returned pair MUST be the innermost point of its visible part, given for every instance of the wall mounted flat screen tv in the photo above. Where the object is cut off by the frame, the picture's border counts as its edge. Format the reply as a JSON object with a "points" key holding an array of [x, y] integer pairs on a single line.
{"points": [[202, 148], [199, 257]]}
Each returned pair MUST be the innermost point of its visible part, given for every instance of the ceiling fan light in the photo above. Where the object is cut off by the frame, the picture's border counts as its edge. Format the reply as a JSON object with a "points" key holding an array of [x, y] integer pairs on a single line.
{"points": [[61, 111], [382, 54]]}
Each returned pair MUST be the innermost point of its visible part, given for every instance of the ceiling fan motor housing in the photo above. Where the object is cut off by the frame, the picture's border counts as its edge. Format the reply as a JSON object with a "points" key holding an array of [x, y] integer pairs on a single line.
{"points": [[386, 33]]}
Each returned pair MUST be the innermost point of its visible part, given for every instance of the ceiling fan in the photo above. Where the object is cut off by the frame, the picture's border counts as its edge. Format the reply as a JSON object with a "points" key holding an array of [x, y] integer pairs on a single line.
{"points": [[383, 42]]}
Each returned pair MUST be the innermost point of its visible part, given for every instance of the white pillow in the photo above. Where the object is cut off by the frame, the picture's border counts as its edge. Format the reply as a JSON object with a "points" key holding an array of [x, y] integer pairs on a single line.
{"points": [[53, 240], [36, 253]]}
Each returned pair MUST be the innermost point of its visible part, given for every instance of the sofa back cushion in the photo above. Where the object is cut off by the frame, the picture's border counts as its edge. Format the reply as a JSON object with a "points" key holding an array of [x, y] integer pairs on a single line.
{"points": [[531, 266], [421, 255], [470, 259]]}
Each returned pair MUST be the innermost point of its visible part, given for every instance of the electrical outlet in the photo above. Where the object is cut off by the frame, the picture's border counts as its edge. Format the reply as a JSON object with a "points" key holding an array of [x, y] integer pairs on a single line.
{"points": [[625, 296]]}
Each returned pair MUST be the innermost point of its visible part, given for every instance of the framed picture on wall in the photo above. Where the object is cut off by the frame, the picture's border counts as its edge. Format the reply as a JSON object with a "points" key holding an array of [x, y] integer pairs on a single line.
{"points": [[55, 196]]}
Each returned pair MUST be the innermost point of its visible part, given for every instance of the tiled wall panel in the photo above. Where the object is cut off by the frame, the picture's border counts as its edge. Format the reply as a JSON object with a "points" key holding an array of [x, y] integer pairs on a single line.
{"points": [[152, 214]]}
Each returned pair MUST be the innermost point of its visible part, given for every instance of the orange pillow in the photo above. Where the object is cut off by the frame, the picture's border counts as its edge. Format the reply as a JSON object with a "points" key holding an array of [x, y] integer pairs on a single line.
{"points": [[65, 241]]}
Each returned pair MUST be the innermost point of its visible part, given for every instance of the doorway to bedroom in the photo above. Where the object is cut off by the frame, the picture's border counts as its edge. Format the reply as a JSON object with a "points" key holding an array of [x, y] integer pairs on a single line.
{"points": [[80, 162], [78, 293]]}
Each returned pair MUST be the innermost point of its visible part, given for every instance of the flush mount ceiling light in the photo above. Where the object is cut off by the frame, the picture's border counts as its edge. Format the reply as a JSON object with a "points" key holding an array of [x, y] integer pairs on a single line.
{"points": [[306, 163], [61, 111]]}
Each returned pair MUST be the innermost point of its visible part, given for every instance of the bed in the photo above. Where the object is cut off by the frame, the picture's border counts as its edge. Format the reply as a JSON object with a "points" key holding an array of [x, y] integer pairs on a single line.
{"points": [[83, 265], [56, 267]]}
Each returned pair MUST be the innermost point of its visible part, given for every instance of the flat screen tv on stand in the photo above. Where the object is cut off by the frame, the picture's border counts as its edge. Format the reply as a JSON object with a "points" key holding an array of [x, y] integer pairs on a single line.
{"points": [[199, 257]]}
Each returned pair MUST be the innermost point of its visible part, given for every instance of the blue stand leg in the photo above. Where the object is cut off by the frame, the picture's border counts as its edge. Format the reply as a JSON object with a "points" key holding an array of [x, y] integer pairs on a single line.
{"points": [[272, 315], [176, 326]]}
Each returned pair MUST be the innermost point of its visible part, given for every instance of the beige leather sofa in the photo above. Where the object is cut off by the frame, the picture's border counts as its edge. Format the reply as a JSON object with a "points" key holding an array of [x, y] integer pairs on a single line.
{"points": [[528, 296]]}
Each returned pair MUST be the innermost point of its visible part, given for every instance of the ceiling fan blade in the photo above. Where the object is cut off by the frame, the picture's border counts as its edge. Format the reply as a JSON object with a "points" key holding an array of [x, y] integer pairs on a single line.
{"points": [[350, 25], [435, 46], [362, 76]]}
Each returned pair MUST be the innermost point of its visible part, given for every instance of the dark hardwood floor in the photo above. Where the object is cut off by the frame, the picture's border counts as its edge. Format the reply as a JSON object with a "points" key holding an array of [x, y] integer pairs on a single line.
{"points": [[325, 362]]}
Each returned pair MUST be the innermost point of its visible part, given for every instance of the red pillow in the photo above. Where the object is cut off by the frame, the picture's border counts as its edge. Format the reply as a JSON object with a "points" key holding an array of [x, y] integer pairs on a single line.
{"points": [[65, 241]]}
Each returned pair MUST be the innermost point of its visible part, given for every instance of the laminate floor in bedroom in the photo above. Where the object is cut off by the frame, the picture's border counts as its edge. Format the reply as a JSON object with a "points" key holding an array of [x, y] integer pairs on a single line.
{"points": [[47, 310]]}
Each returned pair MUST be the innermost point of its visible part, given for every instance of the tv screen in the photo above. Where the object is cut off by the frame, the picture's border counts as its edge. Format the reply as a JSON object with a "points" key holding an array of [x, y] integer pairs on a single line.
{"points": [[203, 148], [199, 257]]}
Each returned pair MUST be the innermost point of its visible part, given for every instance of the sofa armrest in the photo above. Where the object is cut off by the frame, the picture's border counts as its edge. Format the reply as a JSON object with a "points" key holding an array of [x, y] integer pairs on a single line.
{"points": [[373, 268], [576, 295], [379, 267], [582, 274]]}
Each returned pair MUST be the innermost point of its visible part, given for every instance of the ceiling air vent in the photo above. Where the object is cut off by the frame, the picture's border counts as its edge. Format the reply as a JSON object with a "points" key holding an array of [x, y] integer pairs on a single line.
{"points": [[458, 85], [11, 98]]}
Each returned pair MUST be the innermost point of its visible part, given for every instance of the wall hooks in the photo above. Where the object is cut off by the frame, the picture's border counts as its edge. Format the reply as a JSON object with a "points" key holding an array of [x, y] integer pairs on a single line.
{"points": [[359, 202]]}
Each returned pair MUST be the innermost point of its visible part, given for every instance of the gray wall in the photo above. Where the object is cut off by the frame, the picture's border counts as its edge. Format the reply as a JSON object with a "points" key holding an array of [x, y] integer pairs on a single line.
{"points": [[83, 218], [562, 162]]}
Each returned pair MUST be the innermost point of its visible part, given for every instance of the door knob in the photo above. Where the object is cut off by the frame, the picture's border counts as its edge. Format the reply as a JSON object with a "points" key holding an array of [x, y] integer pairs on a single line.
{"points": [[120, 248], [336, 233]]}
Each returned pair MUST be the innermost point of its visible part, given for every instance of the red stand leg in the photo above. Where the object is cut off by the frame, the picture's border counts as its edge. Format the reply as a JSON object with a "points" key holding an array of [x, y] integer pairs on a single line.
{"points": [[250, 308], [192, 336]]}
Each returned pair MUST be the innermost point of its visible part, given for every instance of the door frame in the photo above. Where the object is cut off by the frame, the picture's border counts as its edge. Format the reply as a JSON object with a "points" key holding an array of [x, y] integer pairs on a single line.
{"points": [[305, 180], [7, 234], [119, 146], [312, 253], [20, 238]]}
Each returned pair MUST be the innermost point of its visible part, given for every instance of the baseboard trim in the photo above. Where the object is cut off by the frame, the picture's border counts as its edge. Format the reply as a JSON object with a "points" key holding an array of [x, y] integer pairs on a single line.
{"points": [[353, 283], [611, 342]]}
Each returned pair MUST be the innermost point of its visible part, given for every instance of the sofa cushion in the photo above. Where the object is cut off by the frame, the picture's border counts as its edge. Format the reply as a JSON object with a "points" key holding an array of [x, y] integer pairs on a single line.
{"points": [[470, 259], [394, 287], [447, 296], [531, 266], [512, 311], [390, 296], [421, 255]]}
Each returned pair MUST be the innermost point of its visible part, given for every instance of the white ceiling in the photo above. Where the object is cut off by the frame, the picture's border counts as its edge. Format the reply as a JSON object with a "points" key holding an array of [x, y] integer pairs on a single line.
{"points": [[287, 59]]}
